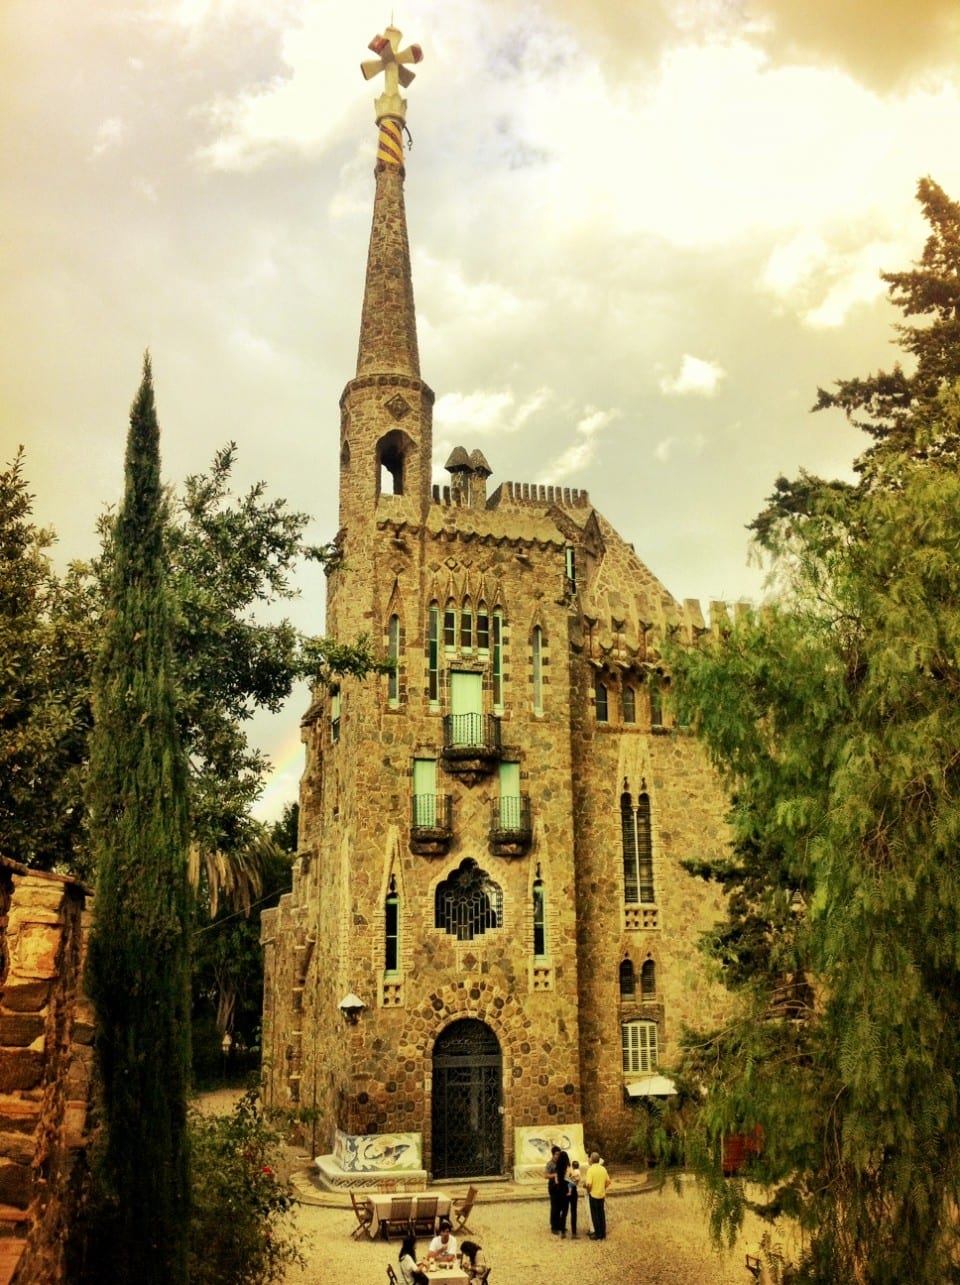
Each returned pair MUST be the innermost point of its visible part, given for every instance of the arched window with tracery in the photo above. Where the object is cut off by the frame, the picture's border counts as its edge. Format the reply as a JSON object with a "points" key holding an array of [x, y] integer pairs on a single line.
{"points": [[468, 902]]}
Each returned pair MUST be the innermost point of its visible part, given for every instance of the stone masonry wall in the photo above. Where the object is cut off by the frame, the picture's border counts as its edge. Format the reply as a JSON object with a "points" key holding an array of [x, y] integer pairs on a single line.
{"points": [[46, 1032]]}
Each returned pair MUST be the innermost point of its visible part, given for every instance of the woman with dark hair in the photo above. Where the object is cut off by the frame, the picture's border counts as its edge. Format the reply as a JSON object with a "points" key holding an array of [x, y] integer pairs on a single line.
{"points": [[410, 1273], [473, 1262]]}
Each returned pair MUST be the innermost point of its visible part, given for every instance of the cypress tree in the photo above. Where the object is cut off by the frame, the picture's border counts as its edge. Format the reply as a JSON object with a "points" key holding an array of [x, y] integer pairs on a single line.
{"points": [[138, 962]]}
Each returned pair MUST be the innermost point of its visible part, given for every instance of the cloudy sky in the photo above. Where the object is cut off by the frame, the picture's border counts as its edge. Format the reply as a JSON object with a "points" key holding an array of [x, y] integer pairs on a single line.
{"points": [[642, 234]]}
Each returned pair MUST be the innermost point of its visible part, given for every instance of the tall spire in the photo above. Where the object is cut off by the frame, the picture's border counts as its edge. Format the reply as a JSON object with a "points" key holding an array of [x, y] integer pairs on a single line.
{"points": [[388, 325]]}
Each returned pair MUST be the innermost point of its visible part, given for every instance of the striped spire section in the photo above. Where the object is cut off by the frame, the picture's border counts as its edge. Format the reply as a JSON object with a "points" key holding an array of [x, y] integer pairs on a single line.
{"points": [[390, 143]]}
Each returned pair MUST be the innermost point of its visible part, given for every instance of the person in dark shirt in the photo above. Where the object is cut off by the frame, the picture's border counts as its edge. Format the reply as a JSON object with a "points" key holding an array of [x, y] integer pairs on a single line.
{"points": [[558, 1191]]}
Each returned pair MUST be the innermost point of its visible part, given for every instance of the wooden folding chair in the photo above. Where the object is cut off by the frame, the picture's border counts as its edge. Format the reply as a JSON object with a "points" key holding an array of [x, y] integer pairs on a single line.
{"points": [[392, 1275], [425, 1216], [364, 1215], [400, 1216], [462, 1209]]}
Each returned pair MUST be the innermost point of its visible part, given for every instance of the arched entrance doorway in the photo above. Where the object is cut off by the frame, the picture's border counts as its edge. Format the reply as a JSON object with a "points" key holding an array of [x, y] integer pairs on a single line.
{"points": [[467, 1119]]}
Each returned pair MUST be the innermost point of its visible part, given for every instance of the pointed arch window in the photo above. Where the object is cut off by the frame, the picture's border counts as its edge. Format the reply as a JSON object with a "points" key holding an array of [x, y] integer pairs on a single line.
{"points": [[393, 651], [629, 705], [497, 658], [628, 981], [539, 920], [391, 452], [466, 626], [468, 902], [637, 849], [433, 654], [450, 626], [536, 646], [483, 628], [391, 929], [648, 981]]}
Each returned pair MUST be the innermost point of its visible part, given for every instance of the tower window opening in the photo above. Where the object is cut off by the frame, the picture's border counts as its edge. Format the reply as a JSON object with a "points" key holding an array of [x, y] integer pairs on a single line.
{"points": [[629, 705], [637, 850], [539, 921], [537, 660], [466, 628], [627, 979], [600, 702], [391, 469], [483, 628], [393, 651], [450, 627], [497, 661], [570, 568], [391, 932], [433, 655], [648, 980]]}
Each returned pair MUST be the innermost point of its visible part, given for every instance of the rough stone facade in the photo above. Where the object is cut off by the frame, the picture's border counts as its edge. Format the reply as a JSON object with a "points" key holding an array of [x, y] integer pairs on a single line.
{"points": [[491, 836], [46, 1057]]}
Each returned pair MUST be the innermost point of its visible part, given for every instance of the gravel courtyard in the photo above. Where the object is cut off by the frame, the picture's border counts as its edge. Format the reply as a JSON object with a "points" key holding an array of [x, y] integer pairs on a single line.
{"points": [[653, 1238]]}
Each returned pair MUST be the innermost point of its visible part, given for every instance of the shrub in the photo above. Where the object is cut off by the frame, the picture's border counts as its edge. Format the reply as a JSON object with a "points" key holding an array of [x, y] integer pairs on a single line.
{"points": [[241, 1222]]}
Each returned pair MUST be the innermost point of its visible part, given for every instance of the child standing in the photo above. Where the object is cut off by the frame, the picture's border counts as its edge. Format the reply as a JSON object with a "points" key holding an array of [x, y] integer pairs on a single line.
{"points": [[573, 1194]]}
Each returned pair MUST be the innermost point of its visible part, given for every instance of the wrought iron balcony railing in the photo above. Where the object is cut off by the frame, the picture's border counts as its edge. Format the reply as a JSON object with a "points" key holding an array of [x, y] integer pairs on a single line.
{"points": [[511, 826], [471, 736], [431, 824]]}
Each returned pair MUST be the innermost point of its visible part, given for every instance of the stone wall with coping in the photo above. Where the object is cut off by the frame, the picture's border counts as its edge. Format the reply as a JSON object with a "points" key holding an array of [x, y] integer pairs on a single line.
{"points": [[46, 1065]]}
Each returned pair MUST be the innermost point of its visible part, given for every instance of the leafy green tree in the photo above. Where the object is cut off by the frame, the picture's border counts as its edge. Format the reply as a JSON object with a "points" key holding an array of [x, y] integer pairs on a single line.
{"points": [[241, 1218], [229, 556], [138, 963], [835, 719], [43, 706], [885, 403]]}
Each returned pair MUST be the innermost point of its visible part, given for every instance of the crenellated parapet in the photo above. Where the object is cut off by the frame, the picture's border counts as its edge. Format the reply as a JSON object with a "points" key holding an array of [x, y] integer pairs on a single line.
{"points": [[515, 494]]}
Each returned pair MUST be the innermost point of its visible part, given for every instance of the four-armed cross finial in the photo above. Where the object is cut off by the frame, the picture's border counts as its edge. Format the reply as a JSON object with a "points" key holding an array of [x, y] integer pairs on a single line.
{"points": [[391, 60]]}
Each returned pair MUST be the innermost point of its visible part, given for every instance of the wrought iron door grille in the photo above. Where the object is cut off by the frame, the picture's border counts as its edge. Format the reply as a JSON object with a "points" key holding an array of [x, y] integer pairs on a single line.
{"points": [[467, 1124]]}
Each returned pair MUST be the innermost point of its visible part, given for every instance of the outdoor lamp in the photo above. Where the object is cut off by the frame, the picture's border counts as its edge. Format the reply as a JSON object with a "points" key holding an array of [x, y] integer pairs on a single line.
{"points": [[351, 1006]]}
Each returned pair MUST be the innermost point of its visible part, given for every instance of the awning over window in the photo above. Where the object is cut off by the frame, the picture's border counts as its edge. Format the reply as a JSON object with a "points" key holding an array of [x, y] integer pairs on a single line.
{"points": [[651, 1086]]}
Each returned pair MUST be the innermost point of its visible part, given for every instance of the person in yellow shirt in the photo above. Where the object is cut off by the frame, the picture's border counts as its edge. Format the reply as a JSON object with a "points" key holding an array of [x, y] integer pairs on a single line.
{"points": [[596, 1182]]}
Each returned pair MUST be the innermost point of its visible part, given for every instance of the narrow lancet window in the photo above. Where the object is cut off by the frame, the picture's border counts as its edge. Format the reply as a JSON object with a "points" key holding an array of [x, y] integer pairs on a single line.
{"points": [[391, 930], [393, 678], [498, 661], [537, 659], [539, 921]]}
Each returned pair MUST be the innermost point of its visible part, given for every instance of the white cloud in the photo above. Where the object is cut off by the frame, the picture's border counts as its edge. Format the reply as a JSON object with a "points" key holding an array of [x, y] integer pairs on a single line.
{"points": [[822, 284], [111, 133], [696, 377], [485, 413], [689, 446], [579, 454]]}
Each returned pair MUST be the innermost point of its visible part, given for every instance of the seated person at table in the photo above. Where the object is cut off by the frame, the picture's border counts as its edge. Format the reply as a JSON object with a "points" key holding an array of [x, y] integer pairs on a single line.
{"points": [[410, 1273], [443, 1247], [473, 1262]]}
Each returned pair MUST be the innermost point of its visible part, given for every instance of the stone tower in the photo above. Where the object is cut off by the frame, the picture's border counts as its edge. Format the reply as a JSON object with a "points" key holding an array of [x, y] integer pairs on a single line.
{"points": [[490, 943]]}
